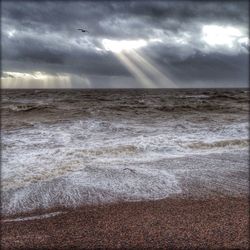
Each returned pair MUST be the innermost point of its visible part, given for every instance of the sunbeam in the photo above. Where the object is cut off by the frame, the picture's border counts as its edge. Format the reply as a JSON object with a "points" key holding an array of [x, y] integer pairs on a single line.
{"points": [[147, 66], [42, 80], [135, 71], [35, 80], [143, 69]]}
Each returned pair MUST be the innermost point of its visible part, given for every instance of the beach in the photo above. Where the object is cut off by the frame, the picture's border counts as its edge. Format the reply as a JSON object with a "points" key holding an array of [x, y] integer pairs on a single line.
{"points": [[169, 224], [205, 215], [128, 169]]}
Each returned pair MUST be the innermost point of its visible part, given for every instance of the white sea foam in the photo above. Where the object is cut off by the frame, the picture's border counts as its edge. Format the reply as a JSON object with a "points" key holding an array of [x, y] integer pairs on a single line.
{"points": [[95, 161]]}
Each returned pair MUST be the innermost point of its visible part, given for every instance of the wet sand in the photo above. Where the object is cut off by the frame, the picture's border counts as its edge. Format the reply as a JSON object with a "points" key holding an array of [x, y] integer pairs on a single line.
{"points": [[221, 222]]}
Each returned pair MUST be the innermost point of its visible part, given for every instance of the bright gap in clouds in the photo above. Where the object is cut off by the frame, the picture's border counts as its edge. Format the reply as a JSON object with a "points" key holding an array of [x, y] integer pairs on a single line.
{"points": [[215, 35], [123, 45]]}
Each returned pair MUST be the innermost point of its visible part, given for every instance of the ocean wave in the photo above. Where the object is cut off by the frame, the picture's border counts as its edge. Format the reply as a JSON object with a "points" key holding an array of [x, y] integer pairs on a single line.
{"points": [[220, 144], [118, 150], [200, 106], [101, 185], [27, 107]]}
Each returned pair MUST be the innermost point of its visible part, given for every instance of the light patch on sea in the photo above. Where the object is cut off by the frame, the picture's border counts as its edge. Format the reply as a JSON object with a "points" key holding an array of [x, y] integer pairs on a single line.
{"points": [[93, 160]]}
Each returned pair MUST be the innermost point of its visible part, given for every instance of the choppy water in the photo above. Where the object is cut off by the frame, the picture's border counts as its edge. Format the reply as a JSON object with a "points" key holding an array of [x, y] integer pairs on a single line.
{"points": [[69, 147]]}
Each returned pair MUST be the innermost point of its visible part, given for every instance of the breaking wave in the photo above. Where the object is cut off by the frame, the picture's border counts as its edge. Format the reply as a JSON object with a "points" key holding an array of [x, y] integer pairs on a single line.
{"points": [[27, 107], [109, 151], [220, 144]]}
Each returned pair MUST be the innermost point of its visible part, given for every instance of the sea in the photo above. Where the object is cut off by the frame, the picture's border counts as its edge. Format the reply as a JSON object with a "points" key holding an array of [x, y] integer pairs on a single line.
{"points": [[67, 148]]}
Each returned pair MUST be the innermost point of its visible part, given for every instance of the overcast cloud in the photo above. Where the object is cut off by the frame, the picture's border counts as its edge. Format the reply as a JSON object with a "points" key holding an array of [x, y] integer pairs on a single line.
{"points": [[193, 43]]}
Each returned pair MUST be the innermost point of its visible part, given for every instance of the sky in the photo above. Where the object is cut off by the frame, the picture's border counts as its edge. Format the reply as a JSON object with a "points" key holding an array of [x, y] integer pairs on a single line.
{"points": [[129, 44]]}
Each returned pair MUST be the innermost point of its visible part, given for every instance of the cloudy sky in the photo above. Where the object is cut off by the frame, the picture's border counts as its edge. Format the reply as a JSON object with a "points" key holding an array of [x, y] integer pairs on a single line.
{"points": [[129, 44]]}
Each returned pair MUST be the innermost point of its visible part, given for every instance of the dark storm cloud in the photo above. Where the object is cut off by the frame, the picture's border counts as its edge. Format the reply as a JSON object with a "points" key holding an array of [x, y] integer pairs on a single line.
{"points": [[42, 36], [213, 67], [187, 10], [72, 59]]}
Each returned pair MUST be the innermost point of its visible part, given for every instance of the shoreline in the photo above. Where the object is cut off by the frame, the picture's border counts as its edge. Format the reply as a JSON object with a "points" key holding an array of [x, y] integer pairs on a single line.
{"points": [[227, 177], [218, 222]]}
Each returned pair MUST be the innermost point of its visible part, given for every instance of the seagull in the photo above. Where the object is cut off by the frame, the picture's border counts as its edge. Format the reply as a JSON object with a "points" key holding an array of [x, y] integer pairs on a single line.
{"points": [[83, 30]]}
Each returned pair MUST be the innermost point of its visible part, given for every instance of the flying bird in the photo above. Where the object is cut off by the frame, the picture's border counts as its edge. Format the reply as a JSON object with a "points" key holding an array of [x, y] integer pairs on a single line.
{"points": [[83, 30]]}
